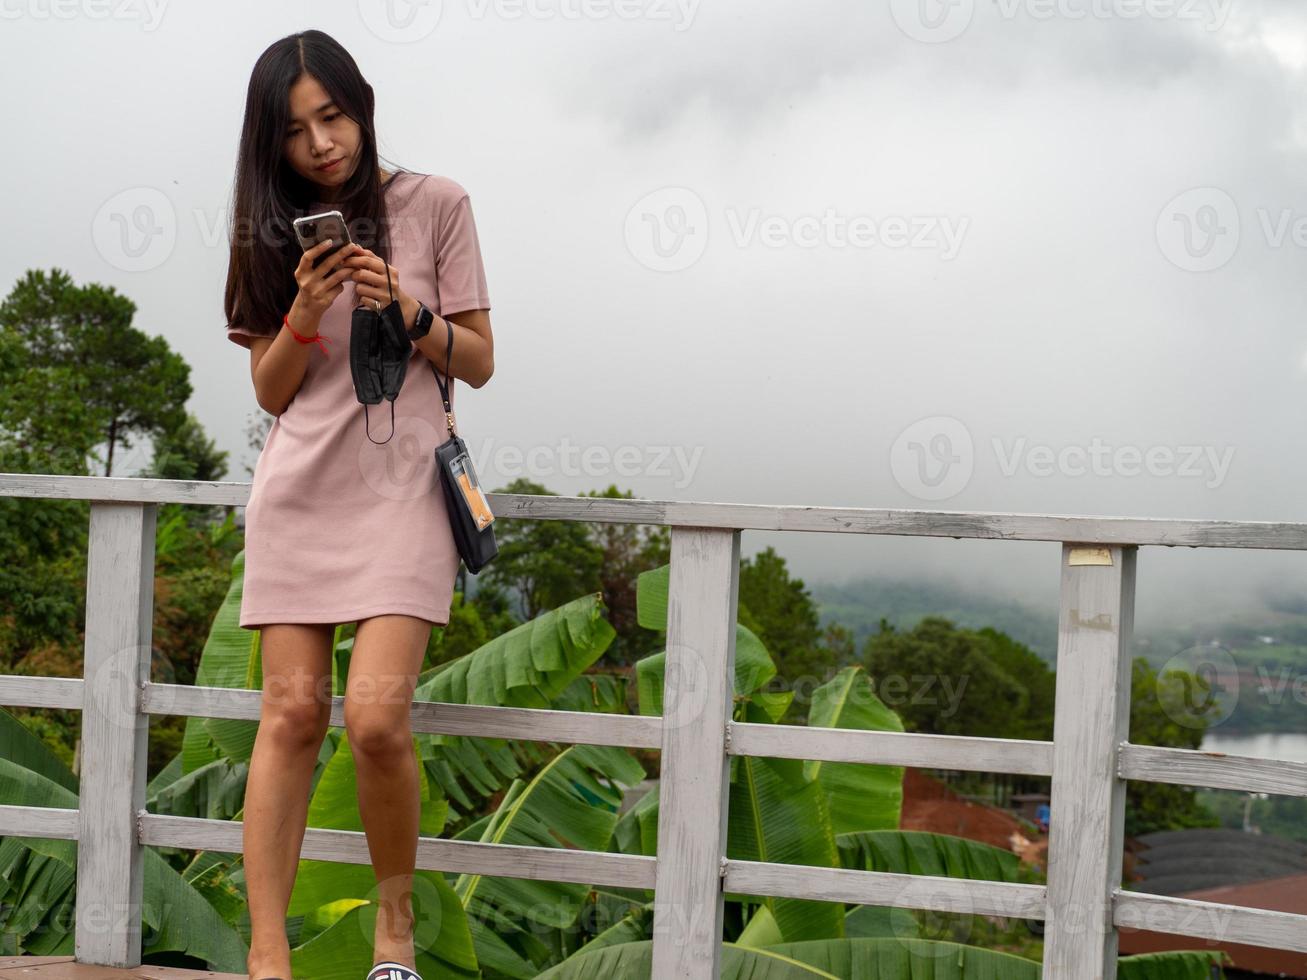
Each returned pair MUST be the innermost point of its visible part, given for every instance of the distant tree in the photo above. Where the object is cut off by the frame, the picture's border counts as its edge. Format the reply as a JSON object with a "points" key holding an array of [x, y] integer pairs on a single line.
{"points": [[1153, 721], [787, 617], [543, 563], [944, 680], [627, 550], [187, 453], [257, 426], [84, 370], [1031, 670], [841, 643]]}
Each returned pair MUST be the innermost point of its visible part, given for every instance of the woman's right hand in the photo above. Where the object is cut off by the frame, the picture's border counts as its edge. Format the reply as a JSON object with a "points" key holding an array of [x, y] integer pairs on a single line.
{"points": [[319, 287]]}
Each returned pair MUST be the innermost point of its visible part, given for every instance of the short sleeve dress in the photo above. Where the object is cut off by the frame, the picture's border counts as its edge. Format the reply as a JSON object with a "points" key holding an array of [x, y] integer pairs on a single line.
{"points": [[338, 527]]}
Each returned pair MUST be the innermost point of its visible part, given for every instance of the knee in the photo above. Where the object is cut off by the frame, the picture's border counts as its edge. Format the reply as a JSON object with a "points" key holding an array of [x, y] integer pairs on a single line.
{"points": [[296, 725], [379, 735]]}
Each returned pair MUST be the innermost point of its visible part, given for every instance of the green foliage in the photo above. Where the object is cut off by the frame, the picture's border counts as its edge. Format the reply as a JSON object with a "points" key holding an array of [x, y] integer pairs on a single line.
{"points": [[626, 550], [1162, 806], [542, 563], [860, 605], [1278, 816], [38, 875], [84, 376], [862, 797], [951, 681], [786, 616]]}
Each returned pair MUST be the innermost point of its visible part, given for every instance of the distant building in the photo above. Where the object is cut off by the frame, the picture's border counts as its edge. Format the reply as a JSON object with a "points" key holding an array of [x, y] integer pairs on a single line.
{"points": [[1286, 894]]}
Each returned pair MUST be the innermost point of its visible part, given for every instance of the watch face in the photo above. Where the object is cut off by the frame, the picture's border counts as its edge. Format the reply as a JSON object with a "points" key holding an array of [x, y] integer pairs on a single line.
{"points": [[422, 323]]}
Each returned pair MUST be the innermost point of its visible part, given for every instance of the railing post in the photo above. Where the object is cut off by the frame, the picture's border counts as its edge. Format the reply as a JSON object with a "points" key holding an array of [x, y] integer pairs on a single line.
{"points": [[119, 609], [698, 695], [1091, 720]]}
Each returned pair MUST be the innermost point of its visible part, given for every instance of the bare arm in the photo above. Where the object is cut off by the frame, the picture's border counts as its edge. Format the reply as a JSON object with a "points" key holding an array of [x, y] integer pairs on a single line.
{"points": [[474, 346], [278, 364]]}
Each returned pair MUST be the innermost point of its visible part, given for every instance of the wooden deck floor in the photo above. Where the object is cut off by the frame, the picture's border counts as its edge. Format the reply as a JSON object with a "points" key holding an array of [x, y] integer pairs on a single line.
{"points": [[60, 967]]}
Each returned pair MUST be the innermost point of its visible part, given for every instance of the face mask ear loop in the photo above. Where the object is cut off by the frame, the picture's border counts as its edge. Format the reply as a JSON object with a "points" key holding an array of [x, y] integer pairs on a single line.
{"points": [[367, 431]]}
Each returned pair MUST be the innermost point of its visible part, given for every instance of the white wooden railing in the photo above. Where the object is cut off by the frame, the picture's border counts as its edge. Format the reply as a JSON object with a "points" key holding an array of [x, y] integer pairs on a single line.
{"points": [[1089, 759]]}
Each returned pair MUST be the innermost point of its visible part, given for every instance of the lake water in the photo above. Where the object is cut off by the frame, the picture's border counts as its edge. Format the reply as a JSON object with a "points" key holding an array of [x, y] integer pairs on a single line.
{"points": [[1289, 746]]}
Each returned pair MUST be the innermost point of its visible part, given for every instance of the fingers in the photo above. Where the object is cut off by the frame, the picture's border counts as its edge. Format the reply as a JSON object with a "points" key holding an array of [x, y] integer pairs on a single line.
{"points": [[330, 262], [340, 275]]}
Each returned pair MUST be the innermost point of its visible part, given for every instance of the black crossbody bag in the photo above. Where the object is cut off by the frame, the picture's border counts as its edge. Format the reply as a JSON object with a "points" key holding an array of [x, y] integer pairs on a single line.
{"points": [[470, 517]]}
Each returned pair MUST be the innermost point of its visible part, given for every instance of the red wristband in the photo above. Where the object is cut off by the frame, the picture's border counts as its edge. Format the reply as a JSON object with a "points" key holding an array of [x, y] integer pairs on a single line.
{"points": [[315, 339]]}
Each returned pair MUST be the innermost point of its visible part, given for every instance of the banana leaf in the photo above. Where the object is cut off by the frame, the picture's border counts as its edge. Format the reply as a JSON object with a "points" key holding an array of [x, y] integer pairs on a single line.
{"points": [[549, 811], [600, 693], [636, 960], [860, 796], [908, 959], [175, 917], [918, 852], [753, 664], [343, 950], [777, 815], [920, 959], [637, 829], [1181, 965], [24, 748], [528, 666], [227, 660]]}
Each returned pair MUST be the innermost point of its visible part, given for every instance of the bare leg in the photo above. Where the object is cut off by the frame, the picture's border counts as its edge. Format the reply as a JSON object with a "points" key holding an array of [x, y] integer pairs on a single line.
{"points": [[296, 708], [388, 652]]}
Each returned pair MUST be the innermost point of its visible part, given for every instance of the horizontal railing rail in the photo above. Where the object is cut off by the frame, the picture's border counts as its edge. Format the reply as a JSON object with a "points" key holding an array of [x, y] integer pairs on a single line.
{"points": [[1089, 759]]}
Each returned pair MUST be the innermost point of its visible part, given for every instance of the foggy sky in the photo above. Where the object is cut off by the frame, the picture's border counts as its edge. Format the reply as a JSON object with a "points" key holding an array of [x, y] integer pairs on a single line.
{"points": [[1039, 256]]}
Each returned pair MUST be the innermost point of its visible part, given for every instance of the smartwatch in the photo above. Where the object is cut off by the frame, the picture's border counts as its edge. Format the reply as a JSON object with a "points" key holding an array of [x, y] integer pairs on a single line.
{"points": [[421, 323]]}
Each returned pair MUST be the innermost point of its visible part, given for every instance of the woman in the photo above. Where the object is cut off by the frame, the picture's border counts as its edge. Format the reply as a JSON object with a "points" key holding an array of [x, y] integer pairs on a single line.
{"points": [[342, 526]]}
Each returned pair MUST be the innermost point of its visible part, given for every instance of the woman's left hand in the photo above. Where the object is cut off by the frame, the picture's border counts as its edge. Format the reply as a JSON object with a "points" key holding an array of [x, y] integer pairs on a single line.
{"points": [[370, 283]]}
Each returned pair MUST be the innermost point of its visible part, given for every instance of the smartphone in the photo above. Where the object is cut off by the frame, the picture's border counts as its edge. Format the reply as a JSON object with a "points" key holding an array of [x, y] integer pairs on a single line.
{"points": [[474, 499], [314, 228]]}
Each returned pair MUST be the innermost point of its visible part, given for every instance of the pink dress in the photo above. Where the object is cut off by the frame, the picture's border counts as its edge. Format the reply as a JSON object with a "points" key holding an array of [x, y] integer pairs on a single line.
{"points": [[337, 528]]}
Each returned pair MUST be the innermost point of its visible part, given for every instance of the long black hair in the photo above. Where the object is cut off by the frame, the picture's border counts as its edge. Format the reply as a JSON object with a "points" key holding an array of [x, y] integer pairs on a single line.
{"points": [[269, 193]]}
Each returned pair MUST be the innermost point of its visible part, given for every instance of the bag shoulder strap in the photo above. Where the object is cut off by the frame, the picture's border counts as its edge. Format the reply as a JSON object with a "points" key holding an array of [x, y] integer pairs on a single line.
{"points": [[444, 388]]}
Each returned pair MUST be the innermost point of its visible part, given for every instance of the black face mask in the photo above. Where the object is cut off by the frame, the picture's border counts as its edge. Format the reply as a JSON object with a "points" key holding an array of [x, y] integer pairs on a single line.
{"points": [[379, 349]]}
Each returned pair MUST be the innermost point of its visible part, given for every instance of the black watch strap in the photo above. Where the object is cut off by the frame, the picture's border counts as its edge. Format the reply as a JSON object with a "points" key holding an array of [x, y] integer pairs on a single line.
{"points": [[421, 323]]}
